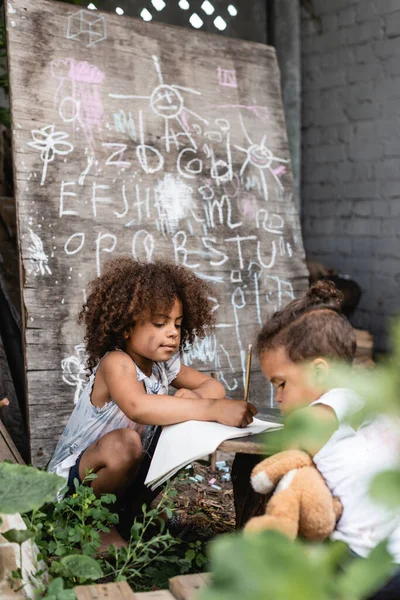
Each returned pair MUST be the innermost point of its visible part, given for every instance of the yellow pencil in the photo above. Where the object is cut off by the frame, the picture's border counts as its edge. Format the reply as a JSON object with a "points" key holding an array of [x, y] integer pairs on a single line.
{"points": [[248, 370]]}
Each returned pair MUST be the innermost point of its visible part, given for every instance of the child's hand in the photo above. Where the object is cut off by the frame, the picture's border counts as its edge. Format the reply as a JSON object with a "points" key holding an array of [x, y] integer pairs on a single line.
{"points": [[236, 413], [185, 393]]}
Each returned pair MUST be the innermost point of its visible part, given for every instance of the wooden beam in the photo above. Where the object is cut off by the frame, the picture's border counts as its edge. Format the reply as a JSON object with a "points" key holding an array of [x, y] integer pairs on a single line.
{"points": [[156, 595], [105, 591], [185, 587]]}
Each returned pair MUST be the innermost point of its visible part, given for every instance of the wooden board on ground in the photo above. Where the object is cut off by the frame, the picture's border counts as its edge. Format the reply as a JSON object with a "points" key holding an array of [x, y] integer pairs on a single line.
{"points": [[105, 591], [154, 141], [185, 587], [156, 595]]}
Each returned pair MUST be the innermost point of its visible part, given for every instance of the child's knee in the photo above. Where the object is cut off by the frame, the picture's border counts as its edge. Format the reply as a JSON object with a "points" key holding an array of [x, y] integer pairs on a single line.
{"points": [[127, 446]]}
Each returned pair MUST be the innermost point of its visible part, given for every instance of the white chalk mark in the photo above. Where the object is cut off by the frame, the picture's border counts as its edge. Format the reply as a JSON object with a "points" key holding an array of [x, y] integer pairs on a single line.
{"points": [[74, 372], [90, 161], [224, 381], [158, 68], [39, 258], [173, 201]]}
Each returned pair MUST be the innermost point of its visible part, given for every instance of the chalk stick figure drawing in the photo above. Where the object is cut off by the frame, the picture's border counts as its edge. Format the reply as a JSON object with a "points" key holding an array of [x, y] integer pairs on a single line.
{"points": [[73, 370], [37, 255], [166, 101], [261, 157], [50, 143], [88, 27]]}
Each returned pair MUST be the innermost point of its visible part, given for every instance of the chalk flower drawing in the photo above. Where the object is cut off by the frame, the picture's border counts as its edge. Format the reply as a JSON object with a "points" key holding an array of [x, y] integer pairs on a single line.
{"points": [[37, 255], [50, 143], [74, 372]]}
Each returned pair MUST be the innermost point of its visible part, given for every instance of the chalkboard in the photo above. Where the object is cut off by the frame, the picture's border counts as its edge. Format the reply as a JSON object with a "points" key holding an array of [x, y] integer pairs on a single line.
{"points": [[152, 141]]}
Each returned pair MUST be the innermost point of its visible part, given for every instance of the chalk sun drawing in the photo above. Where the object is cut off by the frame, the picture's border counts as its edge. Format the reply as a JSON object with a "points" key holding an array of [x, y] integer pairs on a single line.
{"points": [[37, 255], [50, 143], [74, 372], [260, 157], [88, 27], [173, 201], [166, 101]]}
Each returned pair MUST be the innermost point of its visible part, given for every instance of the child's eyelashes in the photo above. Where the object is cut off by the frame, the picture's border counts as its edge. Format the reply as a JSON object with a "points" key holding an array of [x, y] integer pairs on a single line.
{"points": [[159, 325]]}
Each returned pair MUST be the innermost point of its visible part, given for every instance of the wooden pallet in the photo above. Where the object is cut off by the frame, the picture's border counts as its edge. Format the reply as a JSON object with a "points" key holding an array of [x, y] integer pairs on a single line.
{"points": [[184, 587]]}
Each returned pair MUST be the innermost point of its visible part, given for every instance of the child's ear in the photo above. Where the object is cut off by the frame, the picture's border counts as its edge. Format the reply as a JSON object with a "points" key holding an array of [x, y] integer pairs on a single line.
{"points": [[321, 369]]}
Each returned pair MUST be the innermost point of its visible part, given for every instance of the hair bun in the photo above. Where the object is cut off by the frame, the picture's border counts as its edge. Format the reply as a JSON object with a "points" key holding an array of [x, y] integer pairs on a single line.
{"points": [[325, 292]]}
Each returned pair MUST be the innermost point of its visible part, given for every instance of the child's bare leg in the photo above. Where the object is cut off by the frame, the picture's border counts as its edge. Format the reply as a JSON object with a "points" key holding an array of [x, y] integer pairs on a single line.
{"points": [[114, 458]]}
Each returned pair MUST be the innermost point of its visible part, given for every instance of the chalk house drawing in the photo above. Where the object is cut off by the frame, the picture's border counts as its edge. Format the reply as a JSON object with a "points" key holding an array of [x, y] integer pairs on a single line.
{"points": [[261, 157], [87, 27], [74, 372], [37, 255], [50, 143], [166, 101]]}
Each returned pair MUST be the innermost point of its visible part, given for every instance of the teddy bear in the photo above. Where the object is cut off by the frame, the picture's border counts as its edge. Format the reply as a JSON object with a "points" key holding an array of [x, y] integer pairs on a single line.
{"points": [[301, 504]]}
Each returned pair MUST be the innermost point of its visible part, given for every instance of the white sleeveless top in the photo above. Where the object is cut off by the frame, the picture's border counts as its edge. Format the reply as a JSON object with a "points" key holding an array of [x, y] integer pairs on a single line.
{"points": [[88, 423], [348, 462]]}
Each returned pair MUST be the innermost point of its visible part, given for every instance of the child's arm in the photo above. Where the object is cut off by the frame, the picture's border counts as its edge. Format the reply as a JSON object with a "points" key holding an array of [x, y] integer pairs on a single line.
{"points": [[193, 384], [118, 372]]}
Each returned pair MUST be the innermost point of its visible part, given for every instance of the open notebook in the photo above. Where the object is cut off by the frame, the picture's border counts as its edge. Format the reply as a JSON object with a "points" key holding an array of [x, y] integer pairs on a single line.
{"points": [[182, 443]]}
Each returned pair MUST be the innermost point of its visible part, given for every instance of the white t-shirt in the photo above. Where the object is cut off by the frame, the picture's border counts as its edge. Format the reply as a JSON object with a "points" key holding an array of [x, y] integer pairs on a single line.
{"points": [[348, 462]]}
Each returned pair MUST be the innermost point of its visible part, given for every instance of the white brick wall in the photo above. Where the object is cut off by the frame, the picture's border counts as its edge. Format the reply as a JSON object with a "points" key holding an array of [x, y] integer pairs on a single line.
{"points": [[351, 149]]}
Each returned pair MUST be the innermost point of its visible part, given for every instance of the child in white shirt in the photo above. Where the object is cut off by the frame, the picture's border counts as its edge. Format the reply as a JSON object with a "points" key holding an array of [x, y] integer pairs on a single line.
{"points": [[302, 340]]}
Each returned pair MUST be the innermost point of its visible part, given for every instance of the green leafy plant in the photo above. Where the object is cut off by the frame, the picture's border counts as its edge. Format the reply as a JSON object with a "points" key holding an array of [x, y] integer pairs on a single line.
{"points": [[26, 488], [56, 591], [68, 537], [268, 566], [73, 524]]}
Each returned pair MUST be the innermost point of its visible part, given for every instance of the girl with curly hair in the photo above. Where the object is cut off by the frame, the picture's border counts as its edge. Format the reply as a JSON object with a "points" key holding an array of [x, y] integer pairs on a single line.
{"points": [[138, 319]]}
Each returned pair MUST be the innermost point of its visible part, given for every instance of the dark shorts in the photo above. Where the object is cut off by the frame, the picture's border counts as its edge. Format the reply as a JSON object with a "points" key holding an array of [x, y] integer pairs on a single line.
{"points": [[391, 591], [74, 474]]}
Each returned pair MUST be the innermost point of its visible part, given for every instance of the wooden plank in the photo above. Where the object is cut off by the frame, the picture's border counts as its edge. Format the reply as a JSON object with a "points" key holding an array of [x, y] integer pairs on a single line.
{"points": [[185, 587], [105, 591], [156, 595], [245, 445], [122, 147], [8, 450]]}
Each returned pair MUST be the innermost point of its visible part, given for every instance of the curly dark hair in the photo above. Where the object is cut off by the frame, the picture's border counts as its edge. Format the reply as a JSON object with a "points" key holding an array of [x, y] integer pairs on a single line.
{"points": [[128, 290], [311, 326]]}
